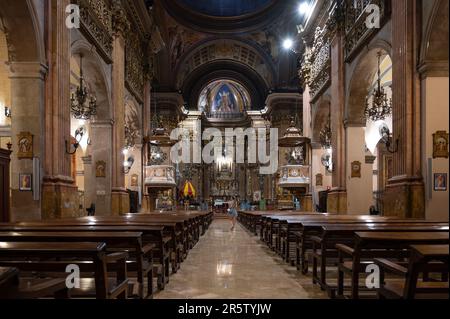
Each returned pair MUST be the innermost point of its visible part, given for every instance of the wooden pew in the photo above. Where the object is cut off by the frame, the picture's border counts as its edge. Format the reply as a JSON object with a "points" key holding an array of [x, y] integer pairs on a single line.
{"points": [[423, 260], [371, 245], [332, 234], [115, 241], [152, 234], [93, 252], [12, 286]]}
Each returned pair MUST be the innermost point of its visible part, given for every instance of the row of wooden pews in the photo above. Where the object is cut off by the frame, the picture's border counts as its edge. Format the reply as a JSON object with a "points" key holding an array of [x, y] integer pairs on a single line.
{"points": [[346, 247], [118, 257]]}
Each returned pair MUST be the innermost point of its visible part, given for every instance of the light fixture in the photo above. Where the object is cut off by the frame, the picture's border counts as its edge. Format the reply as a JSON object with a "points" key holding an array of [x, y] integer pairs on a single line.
{"points": [[381, 106], [83, 104], [159, 135], [128, 164], [79, 133], [325, 134], [288, 44], [7, 112], [386, 138], [304, 8], [327, 161]]}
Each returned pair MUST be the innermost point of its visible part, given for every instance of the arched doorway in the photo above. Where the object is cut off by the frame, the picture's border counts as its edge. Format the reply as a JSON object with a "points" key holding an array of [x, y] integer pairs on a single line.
{"points": [[22, 60], [91, 162], [367, 158]]}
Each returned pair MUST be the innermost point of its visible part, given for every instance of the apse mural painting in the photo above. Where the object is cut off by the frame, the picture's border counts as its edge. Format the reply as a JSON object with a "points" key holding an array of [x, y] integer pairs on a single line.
{"points": [[225, 101], [224, 97]]}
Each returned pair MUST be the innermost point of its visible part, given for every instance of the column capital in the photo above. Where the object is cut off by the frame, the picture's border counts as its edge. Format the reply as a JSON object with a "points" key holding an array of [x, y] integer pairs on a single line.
{"points": [[27, 70], [121, 25]]}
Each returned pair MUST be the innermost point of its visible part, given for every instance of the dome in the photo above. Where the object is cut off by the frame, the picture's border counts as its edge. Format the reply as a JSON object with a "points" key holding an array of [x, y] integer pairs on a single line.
{"points": [[226, 8]]}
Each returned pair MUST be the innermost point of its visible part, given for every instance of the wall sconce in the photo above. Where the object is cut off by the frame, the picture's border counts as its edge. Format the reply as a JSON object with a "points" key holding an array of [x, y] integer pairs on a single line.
{"points": [[7, 112], [128, 164], [79, 133], [386, 138]]}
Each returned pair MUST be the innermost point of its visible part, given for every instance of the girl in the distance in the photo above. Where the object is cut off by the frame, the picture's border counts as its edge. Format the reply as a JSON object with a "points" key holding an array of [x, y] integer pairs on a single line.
{"points": [[232, 212]]}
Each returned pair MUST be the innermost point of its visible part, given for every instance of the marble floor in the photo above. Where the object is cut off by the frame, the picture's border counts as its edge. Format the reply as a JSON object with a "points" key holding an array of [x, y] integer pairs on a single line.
{"points": [[235, 264]]}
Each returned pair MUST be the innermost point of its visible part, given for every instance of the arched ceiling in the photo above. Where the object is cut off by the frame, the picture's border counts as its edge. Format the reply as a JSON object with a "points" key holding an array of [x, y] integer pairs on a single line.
{"points": [[241, 41]]}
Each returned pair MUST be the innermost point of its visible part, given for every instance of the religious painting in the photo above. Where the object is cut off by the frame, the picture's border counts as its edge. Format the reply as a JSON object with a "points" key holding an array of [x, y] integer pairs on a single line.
{"points": [[100, 169], [25, 182], [224, 98], [440, 182], [319, 180], [440, 144], [356, 169], [225, 101], [25, 143], [134, 180], [257, 196]]}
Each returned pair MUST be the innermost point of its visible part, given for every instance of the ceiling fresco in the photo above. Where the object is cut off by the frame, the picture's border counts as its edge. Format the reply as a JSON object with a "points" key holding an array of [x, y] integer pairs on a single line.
{"points": [[224, 96]]}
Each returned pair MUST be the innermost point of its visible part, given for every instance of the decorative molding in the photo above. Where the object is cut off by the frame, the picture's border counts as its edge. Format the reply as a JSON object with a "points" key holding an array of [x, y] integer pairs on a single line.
{"points": [[96, 25], [357, 34]]}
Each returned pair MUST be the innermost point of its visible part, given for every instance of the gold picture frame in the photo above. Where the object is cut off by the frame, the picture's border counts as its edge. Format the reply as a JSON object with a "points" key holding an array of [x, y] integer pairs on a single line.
{"points": [[356, 169], [319, 180], [100, 169], [134, 180], [440, 144], [25, 145]]}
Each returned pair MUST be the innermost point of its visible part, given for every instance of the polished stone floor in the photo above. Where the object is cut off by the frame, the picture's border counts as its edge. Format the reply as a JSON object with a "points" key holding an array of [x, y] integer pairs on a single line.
{"points": [[235, 264]]}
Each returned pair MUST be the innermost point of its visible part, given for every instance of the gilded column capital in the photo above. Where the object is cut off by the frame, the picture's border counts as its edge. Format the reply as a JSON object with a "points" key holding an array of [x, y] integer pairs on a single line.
{"points": [[120, 23]]}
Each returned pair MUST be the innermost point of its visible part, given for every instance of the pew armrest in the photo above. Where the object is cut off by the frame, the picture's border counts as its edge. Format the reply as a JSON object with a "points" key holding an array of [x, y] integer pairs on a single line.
{"points": [[391, 267], [148, 248], [316, 239], [345, 249], [115, 257]]}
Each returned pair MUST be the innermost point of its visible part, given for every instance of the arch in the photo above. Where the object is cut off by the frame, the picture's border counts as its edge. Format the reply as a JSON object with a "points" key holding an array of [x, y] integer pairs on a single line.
{"points": [[361, 83], [320, 116], [24, 37], [214, 49], [225, 70], [434, 52], [95, 72]]}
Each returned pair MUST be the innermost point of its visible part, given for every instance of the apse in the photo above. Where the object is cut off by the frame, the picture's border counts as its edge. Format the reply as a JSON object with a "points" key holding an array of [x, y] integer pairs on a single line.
{"points": [[224, 97], [226, 8]]}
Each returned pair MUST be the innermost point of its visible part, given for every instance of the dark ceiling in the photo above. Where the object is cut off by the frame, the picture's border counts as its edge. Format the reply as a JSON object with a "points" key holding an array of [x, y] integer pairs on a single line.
{"points": [[226, 8]]}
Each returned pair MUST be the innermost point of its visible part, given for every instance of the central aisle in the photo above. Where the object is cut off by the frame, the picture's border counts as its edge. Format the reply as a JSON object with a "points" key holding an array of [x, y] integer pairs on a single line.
{"points": [[226, 265]]}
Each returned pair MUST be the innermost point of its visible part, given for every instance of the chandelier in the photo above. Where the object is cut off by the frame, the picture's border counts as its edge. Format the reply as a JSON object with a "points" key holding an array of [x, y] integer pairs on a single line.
{"points": [[326, 134], [83, 104], [381, 106]]}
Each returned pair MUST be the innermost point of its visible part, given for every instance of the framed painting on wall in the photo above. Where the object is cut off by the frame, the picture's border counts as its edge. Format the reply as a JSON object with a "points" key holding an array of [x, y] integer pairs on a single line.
{"points": [[356, 169], [440, 144], [440, 182], [25, 182], [25, 145]]}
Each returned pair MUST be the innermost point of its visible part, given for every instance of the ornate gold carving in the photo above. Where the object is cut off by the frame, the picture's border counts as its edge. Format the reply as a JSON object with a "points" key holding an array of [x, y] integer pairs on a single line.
{"points": [[120, 23], [134, 65], [96, 24], [316, 68]]}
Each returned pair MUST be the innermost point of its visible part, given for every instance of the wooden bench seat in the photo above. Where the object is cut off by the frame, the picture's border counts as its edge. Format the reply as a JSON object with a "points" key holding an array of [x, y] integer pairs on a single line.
{"points": [[41, 252], [424, 259], [372, 245]]}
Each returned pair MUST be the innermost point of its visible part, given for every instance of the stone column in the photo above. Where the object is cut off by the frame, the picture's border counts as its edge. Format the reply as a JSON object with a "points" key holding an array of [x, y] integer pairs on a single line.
{"points": [[27, 98], [146, 132], [404, 195], [59, 192], [337, 198], [89, 181], [120, 202]]}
